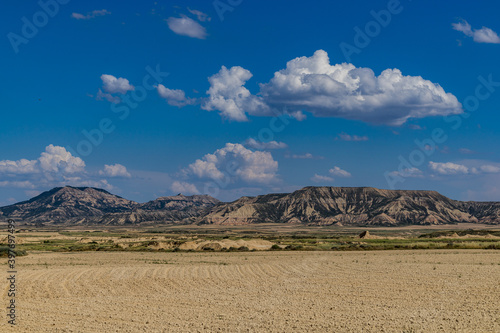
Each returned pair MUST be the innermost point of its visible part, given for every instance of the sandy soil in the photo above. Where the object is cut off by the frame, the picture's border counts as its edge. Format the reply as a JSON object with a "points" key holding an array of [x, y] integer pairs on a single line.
{"points": [[390, 291]]}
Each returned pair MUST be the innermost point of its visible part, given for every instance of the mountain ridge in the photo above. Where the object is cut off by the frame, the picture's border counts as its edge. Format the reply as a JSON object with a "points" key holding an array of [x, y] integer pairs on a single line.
{"points": [[308, 206]]}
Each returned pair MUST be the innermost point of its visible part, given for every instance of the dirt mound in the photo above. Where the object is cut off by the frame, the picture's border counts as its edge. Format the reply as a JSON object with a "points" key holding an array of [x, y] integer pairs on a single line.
{"points": [[252, 244], [366, 235]]}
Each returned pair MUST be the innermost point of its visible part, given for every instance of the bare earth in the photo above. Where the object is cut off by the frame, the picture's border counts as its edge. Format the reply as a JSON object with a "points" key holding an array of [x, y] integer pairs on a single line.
{"points": [[389, 291]]}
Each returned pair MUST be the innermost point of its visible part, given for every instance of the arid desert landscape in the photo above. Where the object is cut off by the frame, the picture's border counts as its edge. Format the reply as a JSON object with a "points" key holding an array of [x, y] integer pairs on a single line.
{"points": [[371, 291]]}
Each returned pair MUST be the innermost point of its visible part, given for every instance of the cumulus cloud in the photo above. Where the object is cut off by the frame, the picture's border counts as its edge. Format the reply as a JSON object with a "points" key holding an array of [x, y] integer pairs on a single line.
{"points": [[228, 95], [184, 187], [54, 167], [448, 168], [186, 26], [116, 170], [252, 143], [336, 171], [54, 160], [90, 15], [475, 167], [236, 162], [347, 137], [313, 85], [175, 97], [115, 85], [321, 179], [483, 35], [202, 17]]}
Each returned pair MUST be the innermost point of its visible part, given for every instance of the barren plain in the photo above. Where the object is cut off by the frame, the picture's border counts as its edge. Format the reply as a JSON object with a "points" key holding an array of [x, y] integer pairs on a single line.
{"points": [[298, 291]]}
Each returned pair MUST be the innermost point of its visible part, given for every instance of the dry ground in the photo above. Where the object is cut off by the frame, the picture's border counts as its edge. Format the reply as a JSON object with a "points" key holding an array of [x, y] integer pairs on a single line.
{"points": [[385, 291]]}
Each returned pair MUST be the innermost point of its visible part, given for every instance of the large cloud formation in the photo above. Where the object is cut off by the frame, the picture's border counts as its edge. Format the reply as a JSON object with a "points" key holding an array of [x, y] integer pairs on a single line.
{"points": [[313, 85], [237, 163], [55, 167]]}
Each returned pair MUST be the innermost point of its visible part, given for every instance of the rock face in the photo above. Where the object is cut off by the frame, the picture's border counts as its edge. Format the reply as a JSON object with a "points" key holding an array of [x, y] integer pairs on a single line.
{"points": [[179, 208], [309, 206], [67, 204], [85, 205], [353, 206]]}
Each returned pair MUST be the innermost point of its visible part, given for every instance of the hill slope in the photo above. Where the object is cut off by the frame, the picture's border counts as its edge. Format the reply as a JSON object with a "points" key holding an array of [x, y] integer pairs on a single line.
{"points": [[353, 206], [310, 205]]}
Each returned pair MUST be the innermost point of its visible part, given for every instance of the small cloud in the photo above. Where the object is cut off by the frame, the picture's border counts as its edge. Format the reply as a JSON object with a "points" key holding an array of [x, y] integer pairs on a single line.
{"points": [[336, 171], [321, 179], [185, 188], [115, 85], [202, 17], [346, 137], [90, 15], [252, 143], [466, 151], [116, 170], [489, 169], [483, 35], [175, 97], [306, 156], [448, 168], [415, 127], [108, 97], [408, 173], [186, 26]]}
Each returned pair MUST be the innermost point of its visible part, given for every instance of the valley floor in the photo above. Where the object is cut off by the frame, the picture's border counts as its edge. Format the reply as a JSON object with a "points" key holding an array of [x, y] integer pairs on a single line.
{"points": [[382, 291]]}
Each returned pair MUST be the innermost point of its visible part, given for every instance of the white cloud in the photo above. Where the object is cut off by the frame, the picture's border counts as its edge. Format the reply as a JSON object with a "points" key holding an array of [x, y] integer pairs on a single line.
{"points": [[228, 95], [448, 168], [107, 96], [347, 137], [115, 85], [252, 143], [235, 162], [90, 15], [311, 84], [336, 171], [483, 35], [409, 173], [185, 188], [175, 97], [55, 167], [475, 167], [116, 170], [306, 156], [202, 17], [16, 184], [58, 159], [186, 26], [489, 169], [466, 151], [321, 179], [22, 166], [55, 159]]}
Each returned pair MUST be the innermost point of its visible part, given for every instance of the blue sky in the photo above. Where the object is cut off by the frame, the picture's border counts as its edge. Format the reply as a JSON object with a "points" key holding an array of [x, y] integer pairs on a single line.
{"points": [[259, 97]]}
